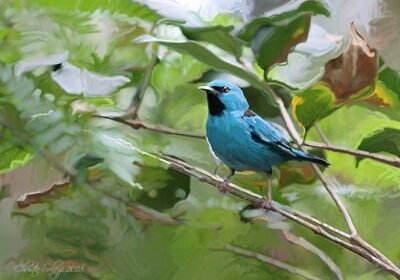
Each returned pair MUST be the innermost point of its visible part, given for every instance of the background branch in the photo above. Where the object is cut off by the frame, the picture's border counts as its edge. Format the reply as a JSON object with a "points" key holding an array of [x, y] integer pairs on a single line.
{"points": [[138, 124], [301, 242], [393, 161], [268, 260]]}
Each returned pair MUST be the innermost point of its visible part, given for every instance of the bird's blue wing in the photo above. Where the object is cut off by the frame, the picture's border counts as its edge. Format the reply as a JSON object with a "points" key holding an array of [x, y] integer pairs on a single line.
{"points": [[264, 132]]}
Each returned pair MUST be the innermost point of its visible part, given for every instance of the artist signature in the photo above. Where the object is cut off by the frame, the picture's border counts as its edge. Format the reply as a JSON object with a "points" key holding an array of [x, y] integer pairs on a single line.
{"points": [[53, 269]]}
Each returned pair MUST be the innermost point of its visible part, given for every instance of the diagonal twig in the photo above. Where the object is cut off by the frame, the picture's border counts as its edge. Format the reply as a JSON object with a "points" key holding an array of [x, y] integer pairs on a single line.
{"points": [[138, 124], [30, 198], [301, 242], [393, 161], [268, 260]]}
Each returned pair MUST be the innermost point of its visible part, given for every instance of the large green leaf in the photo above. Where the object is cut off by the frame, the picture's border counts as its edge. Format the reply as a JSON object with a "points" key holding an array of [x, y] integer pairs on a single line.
{"points": [[202, 54], [271, 39], [219, 36], [313, 104], [386, 140]]}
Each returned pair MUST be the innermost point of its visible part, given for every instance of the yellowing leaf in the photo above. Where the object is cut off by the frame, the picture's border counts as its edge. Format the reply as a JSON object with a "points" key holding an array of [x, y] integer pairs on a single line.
{"points": [[313, 104]]}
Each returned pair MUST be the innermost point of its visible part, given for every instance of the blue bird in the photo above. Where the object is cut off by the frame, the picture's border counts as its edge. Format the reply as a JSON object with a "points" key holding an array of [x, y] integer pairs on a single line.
{"points": [[243, 140]]}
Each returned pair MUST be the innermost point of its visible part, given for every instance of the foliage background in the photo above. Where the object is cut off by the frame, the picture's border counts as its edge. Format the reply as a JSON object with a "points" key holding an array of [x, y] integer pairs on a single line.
{"points": [[94, 222]]}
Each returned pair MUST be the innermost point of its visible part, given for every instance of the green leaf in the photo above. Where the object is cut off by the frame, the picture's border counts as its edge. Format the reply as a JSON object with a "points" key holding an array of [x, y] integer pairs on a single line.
{"points": [[386, 98], [13, 157], [271, 39], [219, 36], [391, 79], [167, 75], [386, 140], [307, 8], [313, 104], [202, 54]]}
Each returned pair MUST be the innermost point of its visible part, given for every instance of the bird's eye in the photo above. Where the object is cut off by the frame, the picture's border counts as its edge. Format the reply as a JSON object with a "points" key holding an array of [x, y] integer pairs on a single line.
{"points": [[225, 89]]}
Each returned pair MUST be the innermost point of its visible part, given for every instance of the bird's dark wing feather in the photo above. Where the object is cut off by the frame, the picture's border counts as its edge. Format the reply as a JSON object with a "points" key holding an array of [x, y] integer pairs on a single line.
{"points": [[266, 133]]}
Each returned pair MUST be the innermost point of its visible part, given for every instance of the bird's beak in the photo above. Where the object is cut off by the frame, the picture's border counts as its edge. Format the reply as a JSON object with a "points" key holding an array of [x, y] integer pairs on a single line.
{"points": [[208, 89]]}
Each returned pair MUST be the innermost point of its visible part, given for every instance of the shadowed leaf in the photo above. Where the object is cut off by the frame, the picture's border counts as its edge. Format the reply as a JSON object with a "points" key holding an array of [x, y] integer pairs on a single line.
{"points": [[386, 141], [217, 35], [272, 39], [204, 55]]}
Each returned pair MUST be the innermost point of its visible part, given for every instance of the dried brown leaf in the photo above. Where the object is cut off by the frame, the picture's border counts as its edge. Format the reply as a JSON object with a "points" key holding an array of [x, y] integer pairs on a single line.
{"points": [[354, 71]]}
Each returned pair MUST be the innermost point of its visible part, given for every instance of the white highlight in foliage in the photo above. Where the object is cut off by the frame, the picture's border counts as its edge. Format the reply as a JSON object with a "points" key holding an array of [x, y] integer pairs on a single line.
{"points": [[195, 12], [75, 80], [72, 79], [305, 65], [30, 64]]}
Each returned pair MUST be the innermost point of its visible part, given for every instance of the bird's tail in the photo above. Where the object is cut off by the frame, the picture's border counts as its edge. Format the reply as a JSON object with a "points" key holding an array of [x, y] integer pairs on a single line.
{"points": [[307, 157]]}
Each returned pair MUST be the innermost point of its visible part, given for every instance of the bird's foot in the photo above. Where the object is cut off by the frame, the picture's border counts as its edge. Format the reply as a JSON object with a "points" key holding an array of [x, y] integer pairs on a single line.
{"points": [[223, 187], [266, 203]]}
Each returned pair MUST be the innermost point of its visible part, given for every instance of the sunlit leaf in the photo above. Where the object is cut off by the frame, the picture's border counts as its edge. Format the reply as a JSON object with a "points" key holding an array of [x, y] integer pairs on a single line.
{"points": [[13, 157], [313, 104]]}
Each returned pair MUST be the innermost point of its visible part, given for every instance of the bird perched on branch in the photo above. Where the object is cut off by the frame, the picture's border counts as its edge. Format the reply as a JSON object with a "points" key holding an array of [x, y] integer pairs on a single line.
{"points": [[243, 140]]}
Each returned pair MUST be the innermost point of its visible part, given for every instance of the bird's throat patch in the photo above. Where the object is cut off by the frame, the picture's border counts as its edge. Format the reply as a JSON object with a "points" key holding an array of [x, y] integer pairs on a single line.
{"points": [[215, 106]]}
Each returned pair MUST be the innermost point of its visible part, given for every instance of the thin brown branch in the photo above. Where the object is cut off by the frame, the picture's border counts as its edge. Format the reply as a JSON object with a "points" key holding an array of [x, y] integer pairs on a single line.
{"points": [[268, 260], [393, 161], [137, 124], [354, 237], [30, 198], [257, 200], [139, 211], [301, 242]]}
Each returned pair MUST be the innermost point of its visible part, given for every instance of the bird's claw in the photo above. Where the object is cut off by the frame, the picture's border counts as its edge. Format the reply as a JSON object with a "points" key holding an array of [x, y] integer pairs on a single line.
{"points": [[223, 187], [266, 203]]}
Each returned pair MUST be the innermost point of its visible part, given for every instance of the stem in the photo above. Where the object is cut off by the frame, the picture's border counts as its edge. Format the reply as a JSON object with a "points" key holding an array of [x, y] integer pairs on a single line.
{"points": [[393, 161], [301, 242], [268, 260]]}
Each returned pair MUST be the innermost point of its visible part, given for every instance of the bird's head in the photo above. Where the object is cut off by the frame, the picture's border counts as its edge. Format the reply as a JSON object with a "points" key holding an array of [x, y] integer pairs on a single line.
{"points": [[224, 96]]}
